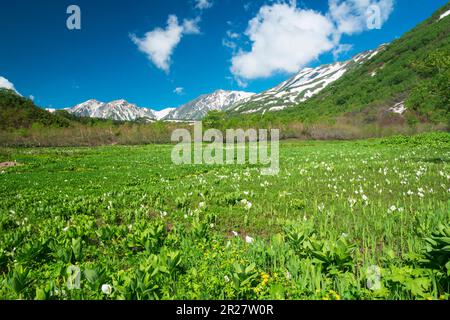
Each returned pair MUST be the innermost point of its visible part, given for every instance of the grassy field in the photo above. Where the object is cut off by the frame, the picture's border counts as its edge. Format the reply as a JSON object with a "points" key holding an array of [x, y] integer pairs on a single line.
{"points": [[343, 220]]}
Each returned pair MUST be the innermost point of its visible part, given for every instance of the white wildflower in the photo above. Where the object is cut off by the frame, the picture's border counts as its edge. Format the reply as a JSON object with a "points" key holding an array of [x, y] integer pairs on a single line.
{"points": [[247, 204], [351, 202], [106, 289], [392, 209]]}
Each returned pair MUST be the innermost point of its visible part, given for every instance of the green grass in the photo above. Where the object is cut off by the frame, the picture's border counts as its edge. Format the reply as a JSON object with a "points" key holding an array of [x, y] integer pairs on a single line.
{"points": [[128, 217]]}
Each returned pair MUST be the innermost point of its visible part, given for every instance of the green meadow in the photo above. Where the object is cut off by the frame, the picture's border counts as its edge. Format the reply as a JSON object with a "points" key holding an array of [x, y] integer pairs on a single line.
{"points": [[362, 219]]}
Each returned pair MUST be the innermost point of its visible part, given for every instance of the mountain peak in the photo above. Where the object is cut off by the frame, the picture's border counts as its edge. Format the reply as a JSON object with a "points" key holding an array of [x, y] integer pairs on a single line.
{"points": [[92, 101], [119, 102], [198, 108]]}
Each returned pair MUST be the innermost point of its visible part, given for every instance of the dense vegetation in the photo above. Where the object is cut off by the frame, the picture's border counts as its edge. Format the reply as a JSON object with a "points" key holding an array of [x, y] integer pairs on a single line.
{"points": [[19, 112], [342, 220]]}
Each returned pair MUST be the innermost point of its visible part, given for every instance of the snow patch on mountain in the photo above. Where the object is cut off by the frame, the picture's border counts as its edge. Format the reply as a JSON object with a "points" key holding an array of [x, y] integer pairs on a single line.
{"points": [[445, 14], [398, 108], [162, 113]]}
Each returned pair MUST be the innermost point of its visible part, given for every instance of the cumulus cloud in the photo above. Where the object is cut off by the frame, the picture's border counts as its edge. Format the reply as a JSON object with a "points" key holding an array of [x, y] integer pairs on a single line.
{"points": [[178, 90], [341, 49], [190, 26], [159, 43], [5, 83], [285, 38], [203, 4]]}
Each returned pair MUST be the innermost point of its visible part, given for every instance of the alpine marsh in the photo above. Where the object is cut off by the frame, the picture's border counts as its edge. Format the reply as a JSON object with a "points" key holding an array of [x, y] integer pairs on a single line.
{"points": [[342, 220]]}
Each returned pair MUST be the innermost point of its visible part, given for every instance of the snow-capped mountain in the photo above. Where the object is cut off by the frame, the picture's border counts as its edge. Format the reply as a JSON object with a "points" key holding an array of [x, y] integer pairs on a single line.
{"points": [[198, 108], [116, 110], [125, 111], [302, 86]]}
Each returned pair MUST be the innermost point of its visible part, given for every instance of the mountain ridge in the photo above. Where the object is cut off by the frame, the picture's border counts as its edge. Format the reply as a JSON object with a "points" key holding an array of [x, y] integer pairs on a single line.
{"points": [[122, 110]]}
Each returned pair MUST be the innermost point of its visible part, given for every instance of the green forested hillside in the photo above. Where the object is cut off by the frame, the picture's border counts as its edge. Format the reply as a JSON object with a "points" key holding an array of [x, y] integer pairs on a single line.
{"points": [[19, 112]]}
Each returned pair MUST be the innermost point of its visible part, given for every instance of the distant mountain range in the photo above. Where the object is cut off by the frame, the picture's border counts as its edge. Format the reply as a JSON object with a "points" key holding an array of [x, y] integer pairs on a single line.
{"points": [[124, 111]]}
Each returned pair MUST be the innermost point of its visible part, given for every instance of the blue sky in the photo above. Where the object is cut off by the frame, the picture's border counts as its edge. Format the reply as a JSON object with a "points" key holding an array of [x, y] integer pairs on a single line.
{"points": [[114, 56]]}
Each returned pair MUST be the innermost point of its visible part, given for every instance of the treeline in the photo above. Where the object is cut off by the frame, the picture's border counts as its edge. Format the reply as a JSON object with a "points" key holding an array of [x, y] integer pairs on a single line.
{"points": [[89, 135], [160, 132]]}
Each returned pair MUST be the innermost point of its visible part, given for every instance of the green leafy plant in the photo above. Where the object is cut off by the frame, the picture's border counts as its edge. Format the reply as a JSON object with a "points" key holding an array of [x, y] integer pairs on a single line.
{"points": [[19, 280]]}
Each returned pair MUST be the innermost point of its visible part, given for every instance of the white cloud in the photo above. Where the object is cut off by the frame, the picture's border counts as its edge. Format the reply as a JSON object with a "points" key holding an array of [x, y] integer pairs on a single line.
{"points": [[159, 43], [229, 40], [178, 90], [341, 49], [241, 83], [5, 83], [233, 35], [203, 4], [190, 26], [284, 38], [229, 44]]}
